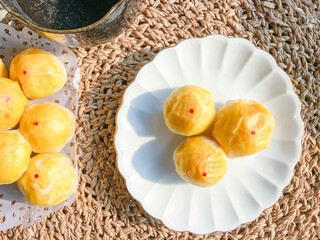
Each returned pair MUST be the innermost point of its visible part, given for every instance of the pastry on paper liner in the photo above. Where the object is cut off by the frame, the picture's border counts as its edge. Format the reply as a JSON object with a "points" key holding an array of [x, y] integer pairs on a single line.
{"points": [[12, 103], [47, 126], [3, 70], [39, 72], [14, 156], [49, 180]]}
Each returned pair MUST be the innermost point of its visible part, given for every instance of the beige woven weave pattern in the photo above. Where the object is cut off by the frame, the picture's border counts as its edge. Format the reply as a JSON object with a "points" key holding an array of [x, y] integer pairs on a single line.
{"points": [[288, 29]]}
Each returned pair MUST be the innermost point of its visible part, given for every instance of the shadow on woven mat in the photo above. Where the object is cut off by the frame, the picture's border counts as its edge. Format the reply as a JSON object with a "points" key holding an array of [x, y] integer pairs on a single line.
{"points": [[288, 29]]}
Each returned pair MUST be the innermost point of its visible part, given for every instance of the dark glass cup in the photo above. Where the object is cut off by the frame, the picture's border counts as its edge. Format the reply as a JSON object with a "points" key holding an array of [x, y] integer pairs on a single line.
{"points": [[74, 23]]}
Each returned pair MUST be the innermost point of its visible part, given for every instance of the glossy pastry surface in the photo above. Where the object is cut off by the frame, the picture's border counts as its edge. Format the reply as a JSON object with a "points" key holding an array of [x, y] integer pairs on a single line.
{"points": [[200, 161], [47, 126], [189, 110], [49, 180], [243, 127], [39, 72], [14, 156], [12, 103]]}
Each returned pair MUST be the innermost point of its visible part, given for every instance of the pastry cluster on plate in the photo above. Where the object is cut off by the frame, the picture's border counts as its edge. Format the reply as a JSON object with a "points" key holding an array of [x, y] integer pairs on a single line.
{"points": [[240, 128], [44, 128]]}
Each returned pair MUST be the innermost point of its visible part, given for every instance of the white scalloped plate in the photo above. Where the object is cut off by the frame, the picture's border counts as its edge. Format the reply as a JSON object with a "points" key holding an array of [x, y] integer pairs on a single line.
{"points": [[229, 69]]}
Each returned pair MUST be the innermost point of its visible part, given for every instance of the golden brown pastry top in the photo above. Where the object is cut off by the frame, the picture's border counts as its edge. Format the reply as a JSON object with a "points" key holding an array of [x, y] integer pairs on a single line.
{"points": [[200, 161], [47, 126], [14, 156], [49, 180], [12, 103], [243, 127], [189, 110], [39, 72]]}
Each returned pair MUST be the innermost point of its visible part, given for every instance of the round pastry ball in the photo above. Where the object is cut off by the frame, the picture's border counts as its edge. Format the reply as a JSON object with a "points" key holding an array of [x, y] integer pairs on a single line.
{"points": [[39, 72], [14, 156], [243, 128], [200, 161], [47, 126], [12, 103], [49, 180], [189, 110], [3, 70]]}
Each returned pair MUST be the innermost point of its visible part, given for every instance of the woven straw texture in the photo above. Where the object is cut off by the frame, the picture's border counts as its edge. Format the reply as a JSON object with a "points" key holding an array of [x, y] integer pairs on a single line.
{"points": [[288, 29]]}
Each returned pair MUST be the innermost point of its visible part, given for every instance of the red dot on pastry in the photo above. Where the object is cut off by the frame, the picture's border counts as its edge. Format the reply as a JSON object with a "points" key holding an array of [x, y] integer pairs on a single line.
{"points": [[204, 174], [36, 175], [35, 123], [24, 72], [253, 132], [191, 110], [8, 99]]}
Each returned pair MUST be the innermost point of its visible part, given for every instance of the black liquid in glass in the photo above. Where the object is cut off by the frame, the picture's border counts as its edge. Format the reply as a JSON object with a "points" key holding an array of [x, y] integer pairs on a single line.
{"points": [[65, 14]]}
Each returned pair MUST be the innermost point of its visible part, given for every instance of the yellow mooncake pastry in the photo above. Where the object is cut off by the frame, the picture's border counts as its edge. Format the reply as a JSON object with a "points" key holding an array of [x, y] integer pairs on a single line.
{"points": [[14, 156], [12, 103], [200, 161], [3, 70], [47, 126], [49, 180], [39, 72], [189, 110], [243, 127]]}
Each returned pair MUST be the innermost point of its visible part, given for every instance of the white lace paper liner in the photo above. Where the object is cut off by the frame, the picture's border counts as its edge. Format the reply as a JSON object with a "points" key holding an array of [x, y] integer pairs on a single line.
{"points": [[14, 210]]}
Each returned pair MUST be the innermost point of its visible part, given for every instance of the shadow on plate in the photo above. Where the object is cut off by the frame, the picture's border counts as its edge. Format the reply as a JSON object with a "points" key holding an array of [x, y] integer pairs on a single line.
{"points": [[156, 164], [145, 113], [154, 159]]}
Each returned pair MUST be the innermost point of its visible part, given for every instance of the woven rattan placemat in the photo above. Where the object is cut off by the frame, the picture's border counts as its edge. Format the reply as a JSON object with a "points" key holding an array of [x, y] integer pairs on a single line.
{"points": [[288, 29]]}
